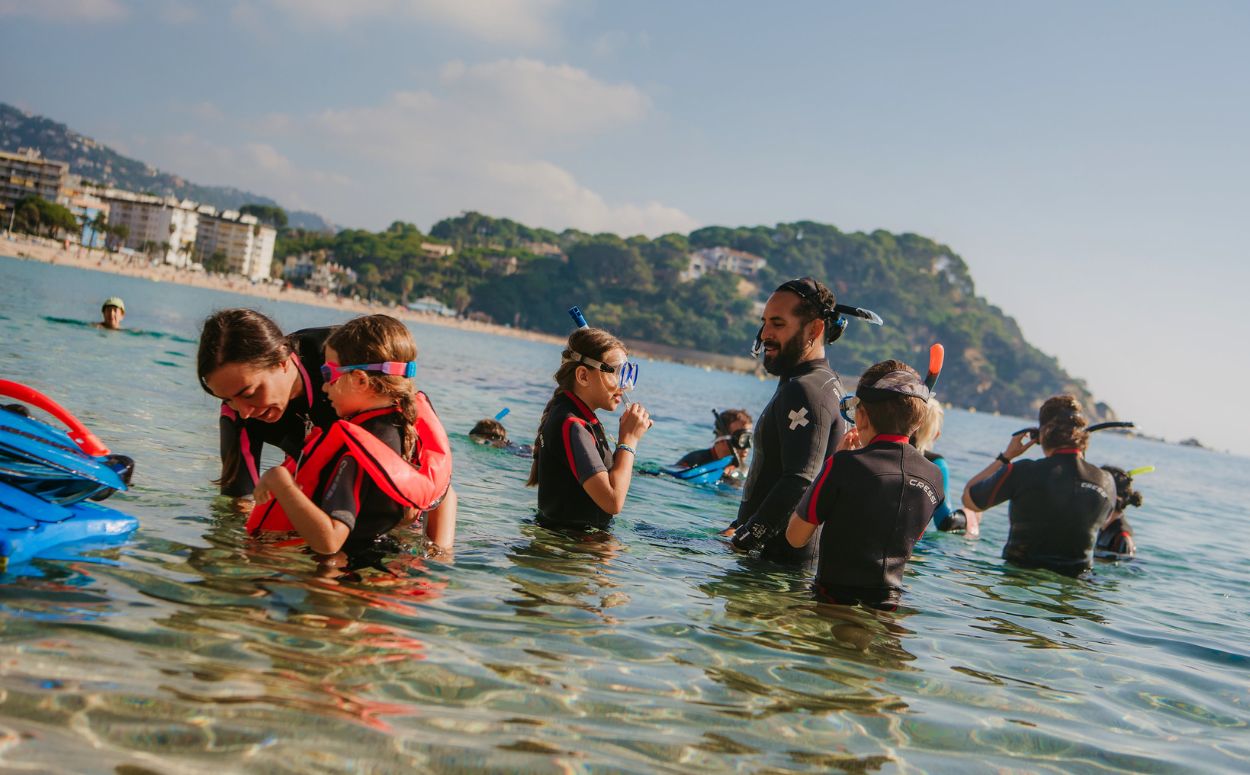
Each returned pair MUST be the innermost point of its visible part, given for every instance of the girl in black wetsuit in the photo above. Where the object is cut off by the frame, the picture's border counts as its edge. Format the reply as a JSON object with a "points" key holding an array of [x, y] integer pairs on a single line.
{"points": [[582, 481], [1058, 503]]}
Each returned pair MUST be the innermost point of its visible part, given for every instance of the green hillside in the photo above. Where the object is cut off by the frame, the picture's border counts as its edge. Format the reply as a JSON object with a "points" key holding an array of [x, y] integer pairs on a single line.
{"points": [[527, 277]]}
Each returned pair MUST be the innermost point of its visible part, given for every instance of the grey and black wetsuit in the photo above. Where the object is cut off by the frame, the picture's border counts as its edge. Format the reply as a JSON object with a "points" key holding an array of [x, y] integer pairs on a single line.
{"points": [[1057, 505], [572, 448], [242, 439], [874, 503], [797, 430]]}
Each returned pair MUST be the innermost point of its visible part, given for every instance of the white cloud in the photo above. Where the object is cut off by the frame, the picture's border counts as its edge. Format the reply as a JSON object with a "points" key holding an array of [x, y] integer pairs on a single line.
{"points": [[480, 137], [544, 98], [544, 194], [64, 10], [256, 167], [525, 22]]}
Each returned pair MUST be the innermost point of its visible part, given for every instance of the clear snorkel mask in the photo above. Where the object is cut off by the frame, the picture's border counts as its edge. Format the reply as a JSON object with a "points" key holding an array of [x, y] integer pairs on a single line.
{"points": [[625, 372]]}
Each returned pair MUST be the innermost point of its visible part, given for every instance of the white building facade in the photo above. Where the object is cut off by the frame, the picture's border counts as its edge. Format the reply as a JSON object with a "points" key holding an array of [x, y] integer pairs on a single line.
{"points": [[246, 243], [738, 262], [163, 227]]}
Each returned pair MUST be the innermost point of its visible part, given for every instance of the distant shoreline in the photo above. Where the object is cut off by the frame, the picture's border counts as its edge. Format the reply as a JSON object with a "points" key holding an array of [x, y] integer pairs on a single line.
{"points": [[28, 248]]}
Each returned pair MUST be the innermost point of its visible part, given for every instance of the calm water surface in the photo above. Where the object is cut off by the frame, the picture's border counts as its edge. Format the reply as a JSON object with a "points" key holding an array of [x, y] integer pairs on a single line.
{"points": [[190, 648]]}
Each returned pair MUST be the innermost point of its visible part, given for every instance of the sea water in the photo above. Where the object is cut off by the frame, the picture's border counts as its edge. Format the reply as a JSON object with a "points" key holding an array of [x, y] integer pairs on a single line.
{"points": [[191, 648]]}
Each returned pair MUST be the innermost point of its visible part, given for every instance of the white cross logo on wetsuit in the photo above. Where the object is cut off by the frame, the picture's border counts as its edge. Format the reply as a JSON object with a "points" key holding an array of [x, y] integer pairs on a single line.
{"points": [[798, 419]]}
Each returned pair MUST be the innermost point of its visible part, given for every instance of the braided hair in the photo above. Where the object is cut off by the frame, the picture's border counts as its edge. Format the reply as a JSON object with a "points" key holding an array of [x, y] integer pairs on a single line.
{"points": [[375, 339], [1061, 423], [1125, 495]]}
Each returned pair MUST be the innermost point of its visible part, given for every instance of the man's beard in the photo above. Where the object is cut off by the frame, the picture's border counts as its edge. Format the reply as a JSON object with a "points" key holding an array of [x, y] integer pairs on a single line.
{"points": [[787, 356]]}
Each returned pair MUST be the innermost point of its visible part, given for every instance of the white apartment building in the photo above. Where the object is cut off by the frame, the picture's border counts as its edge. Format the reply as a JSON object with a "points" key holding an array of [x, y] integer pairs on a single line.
{"points": [[27, 173], [738, 262], [160, 226], [246, 243]]}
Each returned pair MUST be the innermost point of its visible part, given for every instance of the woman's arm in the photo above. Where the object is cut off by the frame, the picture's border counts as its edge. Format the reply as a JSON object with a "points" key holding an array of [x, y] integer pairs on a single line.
{"points": [[1015, 448], [323, 534]]}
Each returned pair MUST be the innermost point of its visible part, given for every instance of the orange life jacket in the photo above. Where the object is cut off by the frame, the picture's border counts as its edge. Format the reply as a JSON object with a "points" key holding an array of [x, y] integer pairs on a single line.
{"points": [[419, 484]]}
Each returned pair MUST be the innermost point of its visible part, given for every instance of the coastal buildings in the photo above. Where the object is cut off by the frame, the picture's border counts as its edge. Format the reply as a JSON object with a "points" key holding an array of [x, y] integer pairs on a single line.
{"points": [[722, 259], [162, 227], [182, 233], [241, 241], [27, 173]]}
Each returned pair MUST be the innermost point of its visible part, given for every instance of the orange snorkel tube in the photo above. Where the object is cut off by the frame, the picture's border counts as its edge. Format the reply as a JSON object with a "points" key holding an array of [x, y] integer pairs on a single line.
{"points": [[87, 441]]}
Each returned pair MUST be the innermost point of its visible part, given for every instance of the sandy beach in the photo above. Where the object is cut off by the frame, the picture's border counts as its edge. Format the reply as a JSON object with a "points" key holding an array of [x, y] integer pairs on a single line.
{"points": [[52, 252]]}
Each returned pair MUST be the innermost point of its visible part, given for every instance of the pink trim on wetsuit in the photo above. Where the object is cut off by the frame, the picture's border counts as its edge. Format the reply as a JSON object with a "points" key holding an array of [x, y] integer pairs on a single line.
{"points": [[566, 431], [308, 391], [890, 437], [245, 446]]}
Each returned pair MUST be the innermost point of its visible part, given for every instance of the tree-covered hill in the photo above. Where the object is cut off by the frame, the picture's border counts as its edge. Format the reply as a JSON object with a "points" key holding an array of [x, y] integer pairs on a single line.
{"points": [[101, 164], [527, 277]]}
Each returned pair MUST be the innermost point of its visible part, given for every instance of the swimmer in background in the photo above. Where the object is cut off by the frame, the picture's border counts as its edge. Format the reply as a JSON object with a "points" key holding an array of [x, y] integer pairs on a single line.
{"points": [[113, 312], [1115, 537], [733, 429], [492, 433], [945, 518]]}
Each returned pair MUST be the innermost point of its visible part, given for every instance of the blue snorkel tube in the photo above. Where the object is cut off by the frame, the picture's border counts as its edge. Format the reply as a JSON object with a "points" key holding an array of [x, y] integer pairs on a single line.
{"points": [[578, 319]]}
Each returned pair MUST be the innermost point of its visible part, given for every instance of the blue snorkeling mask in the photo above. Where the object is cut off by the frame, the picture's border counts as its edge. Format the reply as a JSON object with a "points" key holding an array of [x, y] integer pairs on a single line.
{"points": [[626, 372]]}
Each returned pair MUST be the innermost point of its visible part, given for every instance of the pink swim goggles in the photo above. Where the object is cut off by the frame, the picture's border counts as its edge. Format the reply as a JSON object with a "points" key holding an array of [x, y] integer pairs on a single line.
{"points": [[330, 372]]}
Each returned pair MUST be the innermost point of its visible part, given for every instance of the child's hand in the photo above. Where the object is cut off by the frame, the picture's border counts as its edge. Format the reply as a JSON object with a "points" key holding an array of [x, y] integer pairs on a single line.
{"points": [[274, 479], [850, 440], [634, 423]]}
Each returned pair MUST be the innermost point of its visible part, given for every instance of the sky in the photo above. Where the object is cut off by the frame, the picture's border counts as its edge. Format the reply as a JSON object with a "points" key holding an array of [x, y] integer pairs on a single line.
{"points": [[1089, 161]]}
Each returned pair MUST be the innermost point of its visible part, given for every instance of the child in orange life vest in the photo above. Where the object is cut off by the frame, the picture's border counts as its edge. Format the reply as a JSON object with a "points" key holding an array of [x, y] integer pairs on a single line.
{"points": [[368, 363]]}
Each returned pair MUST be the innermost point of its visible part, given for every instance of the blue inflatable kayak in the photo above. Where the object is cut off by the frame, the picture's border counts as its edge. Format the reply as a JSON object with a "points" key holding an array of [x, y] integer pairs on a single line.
{"points": [[46, 476], [708, 473]]}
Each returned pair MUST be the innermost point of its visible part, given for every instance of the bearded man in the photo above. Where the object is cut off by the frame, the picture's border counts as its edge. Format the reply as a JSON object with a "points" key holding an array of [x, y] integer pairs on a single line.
{"points": [[801, 425]]}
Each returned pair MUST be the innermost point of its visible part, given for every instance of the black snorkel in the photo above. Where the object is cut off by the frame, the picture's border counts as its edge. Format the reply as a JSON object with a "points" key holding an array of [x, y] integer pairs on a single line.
{"points": [[1098, 426], [834, 317]]}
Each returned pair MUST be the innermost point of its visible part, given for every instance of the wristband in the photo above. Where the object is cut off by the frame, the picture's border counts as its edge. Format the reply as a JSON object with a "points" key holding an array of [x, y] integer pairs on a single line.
{"points": [[628, 449], [1003, 459]]}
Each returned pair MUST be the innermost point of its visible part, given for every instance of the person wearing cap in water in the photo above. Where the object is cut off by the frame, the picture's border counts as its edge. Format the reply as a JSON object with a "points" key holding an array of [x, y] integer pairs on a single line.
{"points": [[1059, 502], [800, 426], [733, 438], [113, 311], [1115, 537], [875, 495]]}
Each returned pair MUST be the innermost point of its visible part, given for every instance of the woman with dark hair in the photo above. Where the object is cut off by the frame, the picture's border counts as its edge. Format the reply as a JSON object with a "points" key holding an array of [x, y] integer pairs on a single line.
{"points": [[1058, 503], [582, 480], [270, 388], [1115, 537]]}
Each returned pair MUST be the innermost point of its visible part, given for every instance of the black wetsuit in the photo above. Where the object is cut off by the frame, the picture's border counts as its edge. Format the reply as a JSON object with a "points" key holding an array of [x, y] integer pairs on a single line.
{"points": [[1057, 505], [572, 449], [352, 498], [1115, 539], [699, 457], [310, 405], [874, 503], [797, 430]]}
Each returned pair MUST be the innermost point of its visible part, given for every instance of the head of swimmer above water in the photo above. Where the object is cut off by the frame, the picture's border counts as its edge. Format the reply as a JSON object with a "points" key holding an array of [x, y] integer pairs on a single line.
{"points": [[1061, 424], [733, 428], [245, 360], [800, 318]]}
